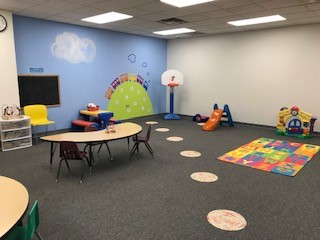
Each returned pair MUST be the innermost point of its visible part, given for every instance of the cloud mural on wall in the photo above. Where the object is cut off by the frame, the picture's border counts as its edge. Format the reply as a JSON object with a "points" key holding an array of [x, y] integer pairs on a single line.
{"points": [[132, 58], [74, 49]]}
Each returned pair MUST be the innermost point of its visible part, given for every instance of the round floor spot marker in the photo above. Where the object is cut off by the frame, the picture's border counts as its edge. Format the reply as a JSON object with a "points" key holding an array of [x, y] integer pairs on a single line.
{"points": [[226, 220], [162, 130], [151, 122], [200, 124], [175, 139], [189, 153], [204, 177]]}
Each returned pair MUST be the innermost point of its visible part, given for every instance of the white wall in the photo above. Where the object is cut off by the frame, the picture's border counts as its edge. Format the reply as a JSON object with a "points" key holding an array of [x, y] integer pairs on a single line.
{"points": [[8, 71], [255, 73]]}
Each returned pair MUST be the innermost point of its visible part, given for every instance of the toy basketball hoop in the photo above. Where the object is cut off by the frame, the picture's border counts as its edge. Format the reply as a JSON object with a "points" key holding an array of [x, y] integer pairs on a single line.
{"points": [[172, 78]]}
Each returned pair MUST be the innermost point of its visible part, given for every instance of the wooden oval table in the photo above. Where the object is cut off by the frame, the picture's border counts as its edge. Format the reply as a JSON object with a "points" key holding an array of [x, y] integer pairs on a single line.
{"points": [[14, 200], [122, 130]]}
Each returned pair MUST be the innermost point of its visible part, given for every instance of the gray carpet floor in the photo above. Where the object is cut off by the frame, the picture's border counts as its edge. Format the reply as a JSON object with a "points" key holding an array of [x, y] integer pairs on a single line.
{"points": [[155, 198]]}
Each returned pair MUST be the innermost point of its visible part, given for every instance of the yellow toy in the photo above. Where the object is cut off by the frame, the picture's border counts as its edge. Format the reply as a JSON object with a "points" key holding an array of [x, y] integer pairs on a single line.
{"points": [[295, 122]]}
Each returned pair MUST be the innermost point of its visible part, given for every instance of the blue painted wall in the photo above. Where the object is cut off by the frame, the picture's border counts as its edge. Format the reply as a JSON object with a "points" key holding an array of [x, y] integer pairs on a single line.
{"points": [[87, 80]]}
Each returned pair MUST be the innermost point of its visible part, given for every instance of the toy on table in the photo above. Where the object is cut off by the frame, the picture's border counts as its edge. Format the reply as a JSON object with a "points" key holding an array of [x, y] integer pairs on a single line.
{"points": [[110, 129], [92, 107], [295, 122], [172, 79], [200, 118]]}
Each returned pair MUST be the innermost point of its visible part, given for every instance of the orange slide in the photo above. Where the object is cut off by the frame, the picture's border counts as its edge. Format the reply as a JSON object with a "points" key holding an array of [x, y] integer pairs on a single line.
{"points": [[214, 119]]}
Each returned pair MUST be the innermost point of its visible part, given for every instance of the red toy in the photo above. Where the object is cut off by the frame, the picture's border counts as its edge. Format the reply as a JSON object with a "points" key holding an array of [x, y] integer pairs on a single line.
{"points": [[200, 118]]}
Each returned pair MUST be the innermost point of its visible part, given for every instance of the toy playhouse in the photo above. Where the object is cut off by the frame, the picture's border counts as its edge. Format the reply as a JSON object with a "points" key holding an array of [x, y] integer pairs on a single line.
{"points": [[295, 122]]}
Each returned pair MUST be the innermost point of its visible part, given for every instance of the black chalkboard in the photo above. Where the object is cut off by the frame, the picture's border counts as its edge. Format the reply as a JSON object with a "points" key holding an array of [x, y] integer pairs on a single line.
{"points": [[39, 89]]}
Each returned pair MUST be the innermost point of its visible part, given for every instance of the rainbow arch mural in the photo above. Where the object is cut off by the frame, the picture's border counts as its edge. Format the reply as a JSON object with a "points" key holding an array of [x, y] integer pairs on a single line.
{"points": [[128, 97]]}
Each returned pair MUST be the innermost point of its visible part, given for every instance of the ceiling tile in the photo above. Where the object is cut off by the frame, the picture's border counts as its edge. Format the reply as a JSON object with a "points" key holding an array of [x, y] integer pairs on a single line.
{"points": [[135, 12], [89, 11], [44, 10], [73, 15], [206, 7], [218, 13], [299, 15], [315, 6], [204, 18], [279, 4], [246, 9], [14, 5], [41, 15], [156, 6], [315, 19], [194, 17], [34, 1], [231, 3], [59, 18], [85, 2], [115, 5], [154, 17], [257, 14], [293, 9], [174, 13], [59, 4]]}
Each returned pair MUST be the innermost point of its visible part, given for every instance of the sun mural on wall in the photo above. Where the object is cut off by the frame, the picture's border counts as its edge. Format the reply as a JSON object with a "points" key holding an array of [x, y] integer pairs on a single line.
{"points": [[128, 97]]}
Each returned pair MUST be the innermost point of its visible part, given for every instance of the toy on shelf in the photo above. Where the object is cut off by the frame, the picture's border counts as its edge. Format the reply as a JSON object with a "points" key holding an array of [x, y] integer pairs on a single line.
{"points": [[221, 116], [200, 118], [172, 79], [11, 112], [295, 122], [92, 107]]}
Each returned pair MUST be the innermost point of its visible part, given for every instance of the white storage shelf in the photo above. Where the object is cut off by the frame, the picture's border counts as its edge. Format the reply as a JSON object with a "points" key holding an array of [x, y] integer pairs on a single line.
{"points": [[15, 133]]}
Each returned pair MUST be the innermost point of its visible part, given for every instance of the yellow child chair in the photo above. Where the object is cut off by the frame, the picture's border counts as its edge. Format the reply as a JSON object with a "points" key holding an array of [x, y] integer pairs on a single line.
{"points": [[38, 117]]}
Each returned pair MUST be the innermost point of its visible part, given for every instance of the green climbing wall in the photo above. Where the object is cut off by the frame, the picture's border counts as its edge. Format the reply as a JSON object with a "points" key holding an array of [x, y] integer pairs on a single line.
{"points": [[130, 100]]}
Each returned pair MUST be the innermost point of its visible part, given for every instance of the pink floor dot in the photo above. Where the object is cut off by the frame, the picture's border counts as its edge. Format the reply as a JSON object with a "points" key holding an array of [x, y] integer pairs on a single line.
{"points": [[190, 153], [204, 177], [226, 220]]}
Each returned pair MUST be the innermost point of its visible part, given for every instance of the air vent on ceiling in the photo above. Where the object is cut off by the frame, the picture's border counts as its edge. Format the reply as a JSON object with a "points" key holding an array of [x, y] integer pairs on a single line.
{"points": [[172, 21]]}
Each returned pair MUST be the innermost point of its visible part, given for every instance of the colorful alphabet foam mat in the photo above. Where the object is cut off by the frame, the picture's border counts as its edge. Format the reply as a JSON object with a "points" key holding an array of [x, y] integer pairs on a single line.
{"points": [[272, 155]]}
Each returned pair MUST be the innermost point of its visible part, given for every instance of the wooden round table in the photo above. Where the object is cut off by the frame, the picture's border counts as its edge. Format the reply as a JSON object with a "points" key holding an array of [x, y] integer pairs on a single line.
{"points": [[14, 200]]}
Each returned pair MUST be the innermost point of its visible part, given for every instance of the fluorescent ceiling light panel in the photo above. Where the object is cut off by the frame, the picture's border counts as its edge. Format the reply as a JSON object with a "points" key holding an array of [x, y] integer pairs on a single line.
{"points": [[106, 17], [259, 20], [184, 3], [175, 31]]}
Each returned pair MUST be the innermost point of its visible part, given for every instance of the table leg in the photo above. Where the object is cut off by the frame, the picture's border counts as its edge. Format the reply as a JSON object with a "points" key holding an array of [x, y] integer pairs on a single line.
{"points": [[91, 158], [111, 158], [52, 151], [128, 143]]}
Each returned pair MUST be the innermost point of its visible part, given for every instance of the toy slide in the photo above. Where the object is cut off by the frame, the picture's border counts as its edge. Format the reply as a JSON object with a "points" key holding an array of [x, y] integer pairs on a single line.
{"points": [[214, 119]]}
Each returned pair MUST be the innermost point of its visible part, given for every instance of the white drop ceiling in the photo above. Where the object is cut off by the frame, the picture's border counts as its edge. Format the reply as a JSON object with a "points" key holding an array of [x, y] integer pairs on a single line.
{"points": [[206, 19]]}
